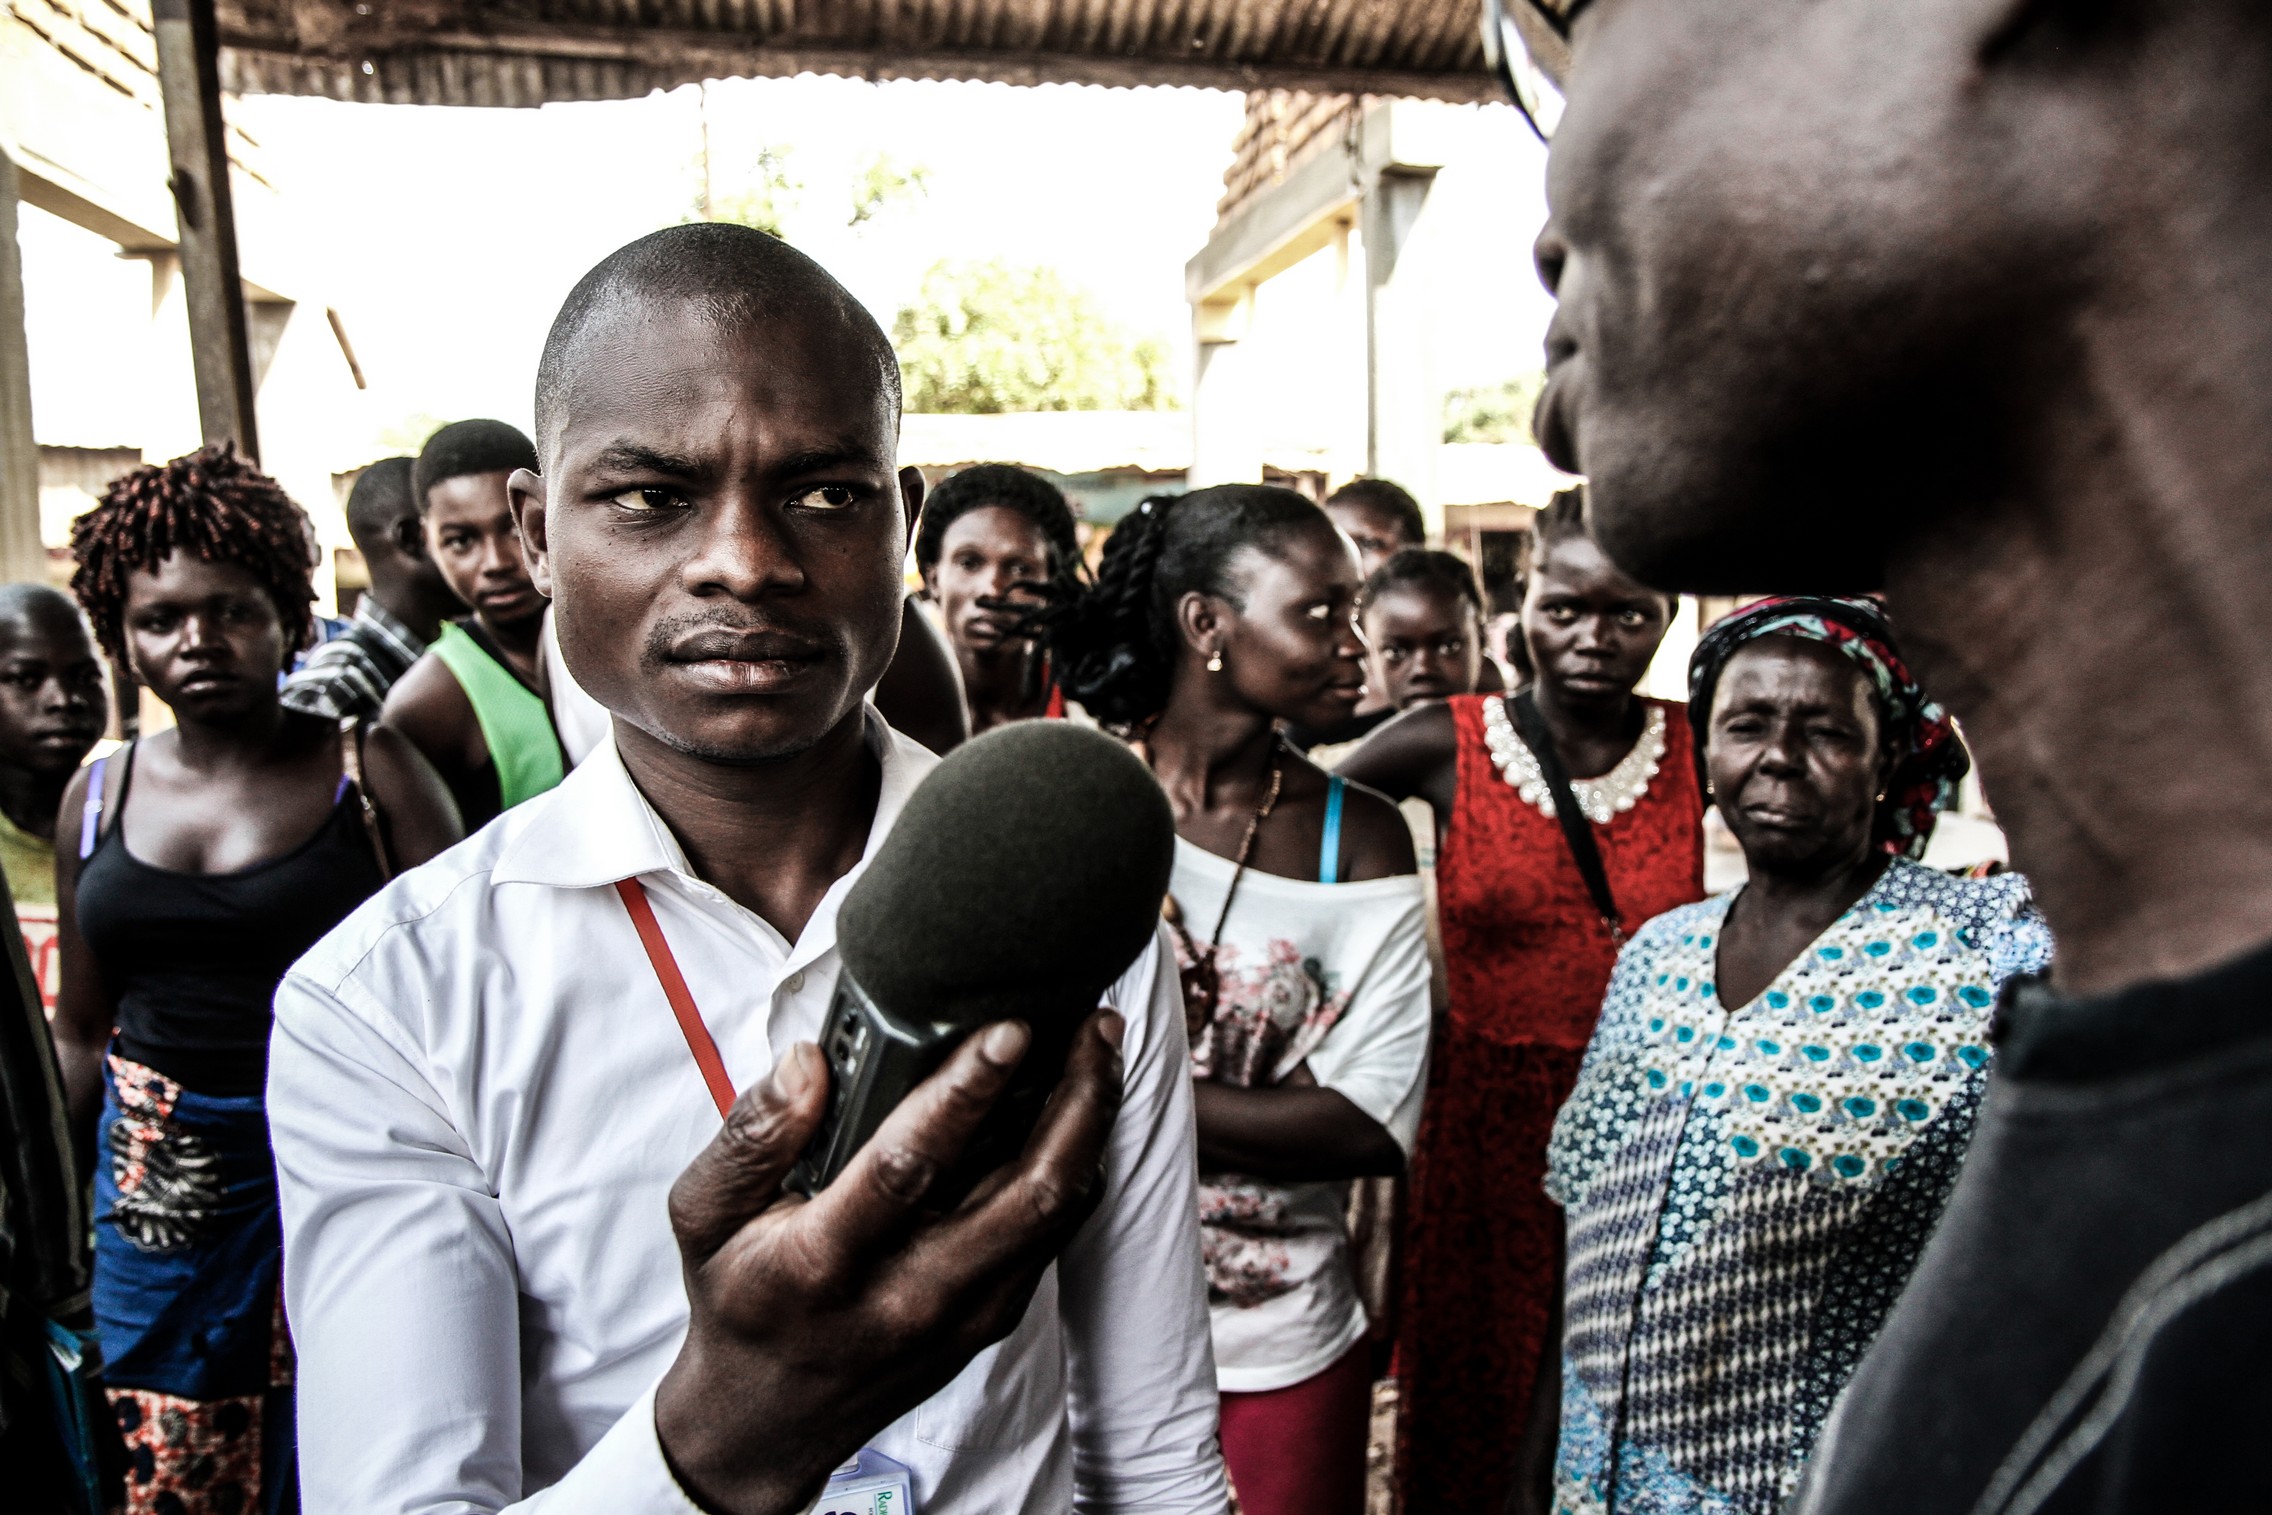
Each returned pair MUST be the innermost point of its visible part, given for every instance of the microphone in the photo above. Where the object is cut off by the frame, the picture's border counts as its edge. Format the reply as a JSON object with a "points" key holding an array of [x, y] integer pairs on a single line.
{"points": [[1022, 879]]}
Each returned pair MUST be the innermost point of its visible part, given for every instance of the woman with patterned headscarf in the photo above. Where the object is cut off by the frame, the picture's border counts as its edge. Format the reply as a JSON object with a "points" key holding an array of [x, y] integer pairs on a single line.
{"points": [[1783, 1081]]}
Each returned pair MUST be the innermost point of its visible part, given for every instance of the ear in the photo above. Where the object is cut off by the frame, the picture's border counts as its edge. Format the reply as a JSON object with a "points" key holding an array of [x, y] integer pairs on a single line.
{"points": [[1204, 621], [409, 537], [1888, 761], [911, 497], [526, 491]]}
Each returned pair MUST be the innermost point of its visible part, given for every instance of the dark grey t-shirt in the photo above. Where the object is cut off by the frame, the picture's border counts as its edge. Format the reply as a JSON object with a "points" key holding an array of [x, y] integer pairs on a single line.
{"points": [[2090, 1330]]}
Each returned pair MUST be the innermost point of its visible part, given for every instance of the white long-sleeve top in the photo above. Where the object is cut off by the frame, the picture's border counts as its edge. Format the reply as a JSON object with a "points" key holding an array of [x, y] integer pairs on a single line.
{"points": [[480, 1098]]}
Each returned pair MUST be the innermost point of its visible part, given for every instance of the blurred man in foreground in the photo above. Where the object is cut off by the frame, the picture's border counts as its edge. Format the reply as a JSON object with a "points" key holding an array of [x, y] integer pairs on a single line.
{"points": [[1965, 302]]}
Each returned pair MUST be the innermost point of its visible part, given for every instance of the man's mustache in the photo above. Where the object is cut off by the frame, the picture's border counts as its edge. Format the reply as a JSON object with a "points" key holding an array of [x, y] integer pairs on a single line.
{"points": [[689, 639]]}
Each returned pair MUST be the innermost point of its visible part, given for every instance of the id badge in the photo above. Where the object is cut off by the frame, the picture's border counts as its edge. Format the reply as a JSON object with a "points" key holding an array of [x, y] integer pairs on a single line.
{"points": [[870, 1484]]}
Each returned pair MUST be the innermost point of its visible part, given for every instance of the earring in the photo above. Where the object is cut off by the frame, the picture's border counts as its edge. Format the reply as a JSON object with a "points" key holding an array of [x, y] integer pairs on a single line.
{"points": [[1215, 661]]}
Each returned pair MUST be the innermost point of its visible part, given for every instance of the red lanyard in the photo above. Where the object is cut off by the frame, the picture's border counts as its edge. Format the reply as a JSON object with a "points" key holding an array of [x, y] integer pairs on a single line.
{"points": [[690, 1025]]}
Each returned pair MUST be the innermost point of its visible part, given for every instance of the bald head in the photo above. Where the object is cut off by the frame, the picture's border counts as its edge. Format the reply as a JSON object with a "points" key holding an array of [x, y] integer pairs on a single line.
{"points": [[53, 697], [41, 607], [727, 275]]}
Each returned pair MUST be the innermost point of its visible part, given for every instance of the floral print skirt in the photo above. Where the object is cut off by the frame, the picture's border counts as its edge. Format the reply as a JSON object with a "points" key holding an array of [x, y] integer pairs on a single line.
{"points": [[188, 1253]]}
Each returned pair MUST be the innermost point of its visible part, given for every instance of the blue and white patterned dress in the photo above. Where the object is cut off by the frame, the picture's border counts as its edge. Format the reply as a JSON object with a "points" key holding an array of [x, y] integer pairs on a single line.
{"points": [[1747, 1190]]}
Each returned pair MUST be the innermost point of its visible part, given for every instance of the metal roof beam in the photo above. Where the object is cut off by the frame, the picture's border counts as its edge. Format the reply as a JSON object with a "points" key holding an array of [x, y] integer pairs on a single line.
{"points": [[405, 65]]}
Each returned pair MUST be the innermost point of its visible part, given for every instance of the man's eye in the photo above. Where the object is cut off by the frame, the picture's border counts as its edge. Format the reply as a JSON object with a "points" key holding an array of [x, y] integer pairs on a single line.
{"points": [[1631, 619], [647, 499], [828, 497], [1319, 612]]}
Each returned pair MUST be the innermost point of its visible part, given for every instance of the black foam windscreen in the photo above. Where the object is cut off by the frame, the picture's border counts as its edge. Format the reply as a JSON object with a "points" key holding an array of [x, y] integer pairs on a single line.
{"points": [[1021, 880]]}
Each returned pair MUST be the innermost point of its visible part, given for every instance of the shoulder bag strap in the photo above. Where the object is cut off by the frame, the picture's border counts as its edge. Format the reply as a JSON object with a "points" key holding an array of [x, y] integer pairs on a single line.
{"points": [[91, 808], [1577, 831], [351, 766], [106, 797]]}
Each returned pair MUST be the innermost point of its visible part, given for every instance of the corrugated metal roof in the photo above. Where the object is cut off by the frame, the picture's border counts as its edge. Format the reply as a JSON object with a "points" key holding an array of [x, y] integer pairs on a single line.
{"points": [[528, 52]]}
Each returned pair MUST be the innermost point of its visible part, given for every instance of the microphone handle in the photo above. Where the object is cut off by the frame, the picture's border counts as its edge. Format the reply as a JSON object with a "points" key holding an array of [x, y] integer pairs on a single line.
{"points": [[875, 1060]]}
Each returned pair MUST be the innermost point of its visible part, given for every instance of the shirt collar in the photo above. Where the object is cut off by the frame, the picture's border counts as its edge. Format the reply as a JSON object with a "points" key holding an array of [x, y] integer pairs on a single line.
{"points": [[371, 612], [596, 827]]}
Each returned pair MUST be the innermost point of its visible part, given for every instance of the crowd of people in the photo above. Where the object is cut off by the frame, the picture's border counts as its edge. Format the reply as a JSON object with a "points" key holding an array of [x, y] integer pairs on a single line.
{"points": [[1495, 1182], [434, 1009]]}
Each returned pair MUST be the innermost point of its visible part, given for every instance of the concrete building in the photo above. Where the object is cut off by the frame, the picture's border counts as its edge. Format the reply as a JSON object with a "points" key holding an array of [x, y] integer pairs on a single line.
{"points": [[96, 366], [1347, 250]]}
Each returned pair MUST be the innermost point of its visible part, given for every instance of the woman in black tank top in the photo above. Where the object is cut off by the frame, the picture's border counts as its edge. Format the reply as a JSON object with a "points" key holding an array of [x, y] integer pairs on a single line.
{"points": [[208, 858]]}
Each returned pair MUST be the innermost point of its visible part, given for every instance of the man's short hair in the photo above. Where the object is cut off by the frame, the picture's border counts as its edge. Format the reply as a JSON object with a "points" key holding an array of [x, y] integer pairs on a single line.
{"points": [[382, 496], [26, 603], [1390, 499], [469, 447], [1012, 488], [730, 274]]}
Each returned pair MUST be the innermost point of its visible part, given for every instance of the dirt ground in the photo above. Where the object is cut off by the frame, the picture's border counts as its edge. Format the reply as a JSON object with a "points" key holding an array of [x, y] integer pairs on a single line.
{"points": [[1380, 1451]]}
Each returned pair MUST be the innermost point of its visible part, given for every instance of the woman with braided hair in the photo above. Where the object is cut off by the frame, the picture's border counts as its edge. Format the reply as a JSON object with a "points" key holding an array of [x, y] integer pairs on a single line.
{"points": [[1529, 940], [209, 857], [1298, 922]]}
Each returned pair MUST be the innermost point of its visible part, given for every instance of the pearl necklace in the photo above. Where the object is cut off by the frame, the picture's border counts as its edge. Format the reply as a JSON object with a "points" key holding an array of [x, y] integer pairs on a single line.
{"points": [[1602, 799]]}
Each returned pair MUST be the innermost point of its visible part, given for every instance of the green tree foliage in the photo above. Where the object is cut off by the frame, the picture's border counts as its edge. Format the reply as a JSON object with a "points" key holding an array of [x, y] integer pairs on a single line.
{"points": [[407, 436], [983, 338], [1493, 412], [884, 184], [768, 201]]}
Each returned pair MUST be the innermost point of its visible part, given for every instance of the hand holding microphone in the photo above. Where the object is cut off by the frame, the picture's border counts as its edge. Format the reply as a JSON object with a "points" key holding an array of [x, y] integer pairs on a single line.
{"points": [[1021, 881]]}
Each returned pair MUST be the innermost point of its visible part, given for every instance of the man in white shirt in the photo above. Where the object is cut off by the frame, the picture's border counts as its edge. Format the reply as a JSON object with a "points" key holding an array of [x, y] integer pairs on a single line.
{"points": [[491, 1130]]}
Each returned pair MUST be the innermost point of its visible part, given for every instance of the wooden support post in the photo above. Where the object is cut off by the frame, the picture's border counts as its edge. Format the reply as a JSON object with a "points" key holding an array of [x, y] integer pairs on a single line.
{"points": [[189, 77], [1404, 410], [21, 555]]}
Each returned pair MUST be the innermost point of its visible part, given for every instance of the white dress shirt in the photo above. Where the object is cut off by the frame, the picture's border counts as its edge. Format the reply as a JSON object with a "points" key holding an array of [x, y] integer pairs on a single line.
{"points": [[479, 1099]]}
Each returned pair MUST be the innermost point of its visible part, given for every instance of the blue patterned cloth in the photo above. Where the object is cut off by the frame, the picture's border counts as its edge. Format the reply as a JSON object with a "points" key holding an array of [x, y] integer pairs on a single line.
{"points": [[1747, 1190]]}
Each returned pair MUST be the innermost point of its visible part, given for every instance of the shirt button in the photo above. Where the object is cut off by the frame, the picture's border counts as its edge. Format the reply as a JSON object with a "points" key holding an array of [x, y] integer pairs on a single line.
{"points": [[795, 982]]}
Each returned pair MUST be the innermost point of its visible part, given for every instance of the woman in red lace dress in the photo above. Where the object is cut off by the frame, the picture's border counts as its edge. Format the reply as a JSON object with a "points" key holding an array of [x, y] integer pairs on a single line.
{"points": [[1527, 956]]}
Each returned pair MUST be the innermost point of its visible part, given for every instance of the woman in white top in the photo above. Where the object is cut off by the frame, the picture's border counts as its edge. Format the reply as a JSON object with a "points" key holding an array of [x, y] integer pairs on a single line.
{"points": [[1216, 616]]}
